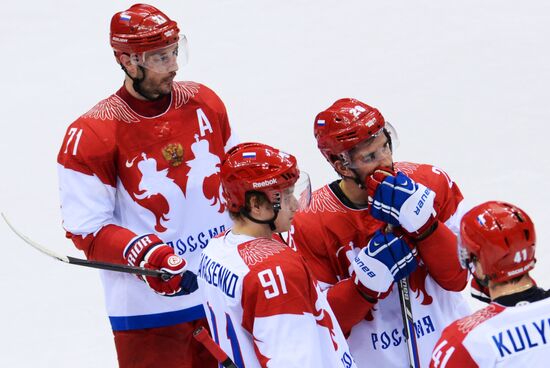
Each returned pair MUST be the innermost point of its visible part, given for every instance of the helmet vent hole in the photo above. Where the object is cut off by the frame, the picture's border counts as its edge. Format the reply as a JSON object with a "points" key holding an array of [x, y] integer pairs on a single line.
{"points": [[518, 216], [347, 136], [507, 242], [526, 233]]}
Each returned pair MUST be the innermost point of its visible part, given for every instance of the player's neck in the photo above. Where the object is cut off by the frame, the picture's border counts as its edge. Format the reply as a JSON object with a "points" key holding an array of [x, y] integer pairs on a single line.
{"points": [[247, 227], [508, 288], [355, 194], [131, 91], [141, 106]]}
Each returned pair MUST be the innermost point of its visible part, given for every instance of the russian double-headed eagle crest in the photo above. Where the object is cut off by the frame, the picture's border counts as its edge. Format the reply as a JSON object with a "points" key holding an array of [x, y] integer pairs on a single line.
{"points": [[173, 153]]}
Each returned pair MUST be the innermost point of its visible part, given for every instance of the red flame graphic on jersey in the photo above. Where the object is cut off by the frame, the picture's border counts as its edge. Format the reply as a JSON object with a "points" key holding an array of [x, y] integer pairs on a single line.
{"points": [[323, 318], [417, 284], [159, 206], [148, 198], [212, 191], [207, 169]]}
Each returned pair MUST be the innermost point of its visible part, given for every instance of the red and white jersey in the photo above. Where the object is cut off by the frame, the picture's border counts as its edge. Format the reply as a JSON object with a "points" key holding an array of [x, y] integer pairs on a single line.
{"points": [[264, 307], [332, 230], [122, 175], [497, 336]]}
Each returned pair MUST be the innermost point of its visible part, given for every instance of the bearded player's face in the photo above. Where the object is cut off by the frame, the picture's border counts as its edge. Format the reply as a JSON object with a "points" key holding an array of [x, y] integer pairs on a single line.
{"points": [[155, 85], [371, 154]]}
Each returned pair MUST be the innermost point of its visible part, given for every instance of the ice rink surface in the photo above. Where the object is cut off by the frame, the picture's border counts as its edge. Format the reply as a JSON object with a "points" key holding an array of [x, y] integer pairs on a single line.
{"points": [[465, 83]]}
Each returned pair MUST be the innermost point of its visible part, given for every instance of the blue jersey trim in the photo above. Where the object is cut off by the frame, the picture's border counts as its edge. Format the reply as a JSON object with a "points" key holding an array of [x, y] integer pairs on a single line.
{"points": [[156, 320]]}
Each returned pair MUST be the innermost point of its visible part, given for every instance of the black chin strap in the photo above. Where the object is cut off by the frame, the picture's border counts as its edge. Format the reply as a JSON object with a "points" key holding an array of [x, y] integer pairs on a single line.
{"points": [[483, 282], [270, 222]]}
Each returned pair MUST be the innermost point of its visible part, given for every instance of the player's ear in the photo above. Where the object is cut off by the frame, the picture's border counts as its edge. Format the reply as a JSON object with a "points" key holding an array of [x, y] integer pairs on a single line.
{"points": [[479, 269], [257, 202], [254, 203], [126, 63], [342, 170]]}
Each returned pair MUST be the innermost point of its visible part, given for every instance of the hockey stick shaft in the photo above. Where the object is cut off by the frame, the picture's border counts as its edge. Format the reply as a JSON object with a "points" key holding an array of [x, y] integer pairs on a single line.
{"points": [[118, 268], [408, 322], [407, 315], [201, 334], [88, 263]]}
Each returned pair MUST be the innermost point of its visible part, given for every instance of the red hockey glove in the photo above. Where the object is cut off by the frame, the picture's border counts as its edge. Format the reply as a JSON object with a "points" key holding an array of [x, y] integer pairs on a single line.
{"points": [[373, 181], [150, 252]]}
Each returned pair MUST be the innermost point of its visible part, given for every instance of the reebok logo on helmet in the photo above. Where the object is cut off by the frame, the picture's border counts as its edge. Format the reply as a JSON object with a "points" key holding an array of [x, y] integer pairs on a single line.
{"points": [[264, 183]]}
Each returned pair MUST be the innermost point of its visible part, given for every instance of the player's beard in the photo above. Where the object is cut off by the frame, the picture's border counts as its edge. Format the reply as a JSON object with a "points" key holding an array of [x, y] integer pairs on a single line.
{"points": [[151, 89]]}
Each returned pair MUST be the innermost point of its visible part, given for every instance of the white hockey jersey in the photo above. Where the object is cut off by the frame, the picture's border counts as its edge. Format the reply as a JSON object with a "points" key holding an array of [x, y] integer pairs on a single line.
{"points": [[264, 307], [497, 336], [122, 174]]}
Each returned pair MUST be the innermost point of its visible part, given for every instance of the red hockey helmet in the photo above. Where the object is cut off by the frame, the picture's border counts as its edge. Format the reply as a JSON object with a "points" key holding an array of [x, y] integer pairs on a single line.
{"points": [[142, 28], [344, 125], [256, 167], [502, 238]]}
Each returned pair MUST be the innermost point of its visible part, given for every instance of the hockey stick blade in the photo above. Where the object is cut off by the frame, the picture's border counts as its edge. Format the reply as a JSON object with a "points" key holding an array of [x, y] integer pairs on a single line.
{"points": [[87, 263]]}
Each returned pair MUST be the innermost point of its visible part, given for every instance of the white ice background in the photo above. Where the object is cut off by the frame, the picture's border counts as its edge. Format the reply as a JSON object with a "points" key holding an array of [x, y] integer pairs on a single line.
{"points": [[465, 83]]}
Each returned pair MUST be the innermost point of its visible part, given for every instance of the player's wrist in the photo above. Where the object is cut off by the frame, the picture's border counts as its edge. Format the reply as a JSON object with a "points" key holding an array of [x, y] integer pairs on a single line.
{"points": [[368, 294], [425, 231]]}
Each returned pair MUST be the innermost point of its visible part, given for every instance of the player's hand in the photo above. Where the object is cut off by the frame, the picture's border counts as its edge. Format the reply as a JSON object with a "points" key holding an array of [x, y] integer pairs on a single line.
{"points": [[386, 259], [150, 252], [398, 200]]}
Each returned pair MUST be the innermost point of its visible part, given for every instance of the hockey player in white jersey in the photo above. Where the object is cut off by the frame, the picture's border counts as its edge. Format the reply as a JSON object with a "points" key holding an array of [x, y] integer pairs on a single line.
{"points": [[139, 185], [498, 245], [263, 305]]}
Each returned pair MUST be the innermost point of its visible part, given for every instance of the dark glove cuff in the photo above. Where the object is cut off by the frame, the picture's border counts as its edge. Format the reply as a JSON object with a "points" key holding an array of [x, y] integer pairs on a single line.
{"points": [[369, 298], [429, 231]]}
